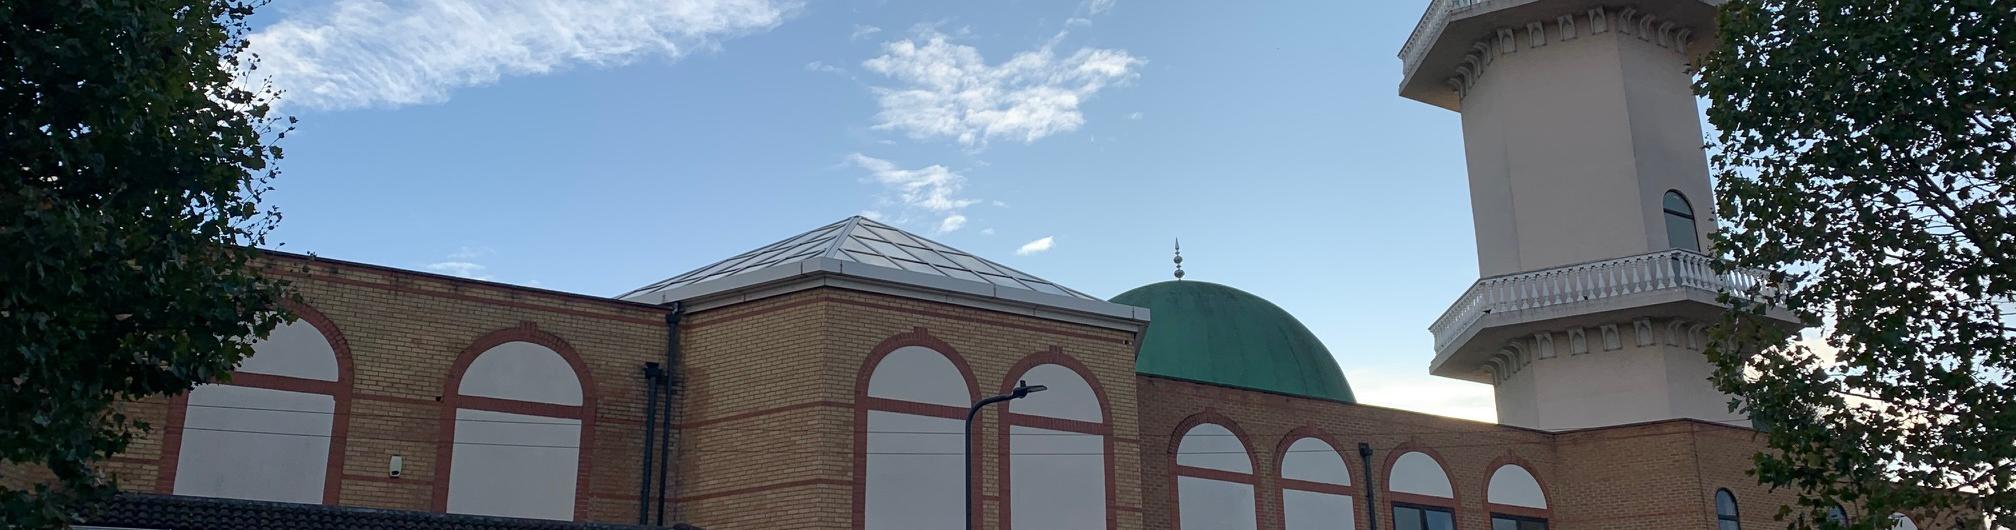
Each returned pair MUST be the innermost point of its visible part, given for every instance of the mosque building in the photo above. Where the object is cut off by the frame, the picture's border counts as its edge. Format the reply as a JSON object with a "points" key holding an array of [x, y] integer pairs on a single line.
{"points": [[824, 380]]}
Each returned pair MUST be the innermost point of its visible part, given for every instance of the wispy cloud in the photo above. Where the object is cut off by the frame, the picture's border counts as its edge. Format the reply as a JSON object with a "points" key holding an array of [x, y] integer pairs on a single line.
{"points": [[863, 31], [1100, 7], [1040, 245], [383, 53], [1424, 393], [1136, 115], [817, 66], [951, 223], [463, 269], [470, 252], [946, 90], [931, 190]]}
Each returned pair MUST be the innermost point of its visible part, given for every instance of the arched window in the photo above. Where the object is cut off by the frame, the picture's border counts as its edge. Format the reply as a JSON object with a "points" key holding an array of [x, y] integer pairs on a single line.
{"points": [[272, 433], [1900, 521], [1420, 492], [1516, 500], [1837, 515], [518, 417], [1058, 451], [1680, 228], [1726, 516], [1214, 480], [1315, 486], [912, 412]]}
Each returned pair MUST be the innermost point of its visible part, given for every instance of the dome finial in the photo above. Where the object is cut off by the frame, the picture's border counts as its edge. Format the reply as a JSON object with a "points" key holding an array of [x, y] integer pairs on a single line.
{"points": [[1179, 259]]}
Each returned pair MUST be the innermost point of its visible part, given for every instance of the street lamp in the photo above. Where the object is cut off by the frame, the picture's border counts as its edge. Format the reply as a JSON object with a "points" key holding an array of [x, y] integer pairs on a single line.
{"points": [[1022, 390]]}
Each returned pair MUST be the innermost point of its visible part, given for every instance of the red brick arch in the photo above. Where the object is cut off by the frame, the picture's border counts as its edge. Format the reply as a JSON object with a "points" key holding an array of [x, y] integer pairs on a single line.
{"points": [[1546, 496], [1296, 435], [1282, 483], [452, 399], [339, 390], [1176, 470], [1104, 429], [863, 403], [1453, 503]]}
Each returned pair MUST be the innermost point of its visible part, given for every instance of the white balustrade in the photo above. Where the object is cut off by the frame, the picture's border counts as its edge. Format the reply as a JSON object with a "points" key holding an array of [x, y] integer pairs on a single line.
{"points": [[1588, 282]]}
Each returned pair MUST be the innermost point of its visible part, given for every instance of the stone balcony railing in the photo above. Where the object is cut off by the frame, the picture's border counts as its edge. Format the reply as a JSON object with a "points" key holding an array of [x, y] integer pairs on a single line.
{"points": [[1427, 30], [1587, 283]]}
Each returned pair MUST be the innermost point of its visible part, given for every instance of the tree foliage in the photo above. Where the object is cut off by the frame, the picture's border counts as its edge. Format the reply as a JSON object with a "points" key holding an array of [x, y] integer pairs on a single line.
{"points": [[1865, 153], [134, 162]]}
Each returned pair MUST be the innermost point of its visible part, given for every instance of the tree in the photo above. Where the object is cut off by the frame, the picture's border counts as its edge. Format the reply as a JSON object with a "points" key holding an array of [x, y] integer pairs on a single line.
{"points": [[1865, 153], [134, 164]]}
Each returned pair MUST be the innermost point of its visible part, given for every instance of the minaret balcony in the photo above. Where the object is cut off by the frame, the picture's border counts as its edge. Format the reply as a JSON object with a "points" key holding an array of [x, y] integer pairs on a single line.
{"points": [[1627, 292]]}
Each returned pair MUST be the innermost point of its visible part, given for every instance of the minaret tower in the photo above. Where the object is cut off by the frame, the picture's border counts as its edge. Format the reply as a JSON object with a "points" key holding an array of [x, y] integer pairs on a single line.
{"points": [[1589, 189]]}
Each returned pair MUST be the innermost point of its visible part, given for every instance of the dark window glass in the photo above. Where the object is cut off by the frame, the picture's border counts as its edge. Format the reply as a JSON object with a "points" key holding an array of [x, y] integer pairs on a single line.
{"points": [[1507, 522], [1725, 511], [1680, 230], [1422, 518], [1405, 518], [1837, 515]]}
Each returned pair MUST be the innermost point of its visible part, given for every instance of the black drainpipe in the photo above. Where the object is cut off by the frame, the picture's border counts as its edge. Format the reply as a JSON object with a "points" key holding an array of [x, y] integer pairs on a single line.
{"points": [[671, 382], [652, 376], [1371, 505]]}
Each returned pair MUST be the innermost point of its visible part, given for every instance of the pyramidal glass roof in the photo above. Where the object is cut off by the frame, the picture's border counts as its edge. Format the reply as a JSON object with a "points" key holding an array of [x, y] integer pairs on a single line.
{"points": [[859, 240]]}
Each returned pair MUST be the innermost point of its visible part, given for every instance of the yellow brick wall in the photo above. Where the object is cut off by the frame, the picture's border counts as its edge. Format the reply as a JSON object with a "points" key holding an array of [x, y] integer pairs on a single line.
{"points": [[404, 331], [766, 419], [771, 387], [1467, 448]]}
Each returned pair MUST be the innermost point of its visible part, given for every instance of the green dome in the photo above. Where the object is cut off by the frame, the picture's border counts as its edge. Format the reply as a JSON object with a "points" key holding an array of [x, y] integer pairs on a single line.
{"points": [[1202, 331]]}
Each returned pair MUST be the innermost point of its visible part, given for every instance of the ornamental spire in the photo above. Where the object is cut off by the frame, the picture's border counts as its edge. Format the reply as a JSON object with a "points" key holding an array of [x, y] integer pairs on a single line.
{"points": [[1179, 259]]}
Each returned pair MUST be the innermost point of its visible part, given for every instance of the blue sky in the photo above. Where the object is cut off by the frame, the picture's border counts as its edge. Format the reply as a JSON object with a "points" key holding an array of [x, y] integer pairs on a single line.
{"points": [[595, 146]]}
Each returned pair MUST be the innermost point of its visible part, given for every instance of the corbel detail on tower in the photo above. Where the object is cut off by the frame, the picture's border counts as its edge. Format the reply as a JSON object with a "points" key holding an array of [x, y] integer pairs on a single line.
{"points": [[1506, 40]]}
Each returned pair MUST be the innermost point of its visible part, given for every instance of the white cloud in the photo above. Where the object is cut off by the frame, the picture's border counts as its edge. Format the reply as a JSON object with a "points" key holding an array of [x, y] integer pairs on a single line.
{"points": [[817, 66], [1135, 116], [1040, 245], [946, 90], [463, 269], [469, 253], [951, 223], [1424, 393], [383, 53], [987, 231], [1100, 7], [862, 31], [930, 190]]}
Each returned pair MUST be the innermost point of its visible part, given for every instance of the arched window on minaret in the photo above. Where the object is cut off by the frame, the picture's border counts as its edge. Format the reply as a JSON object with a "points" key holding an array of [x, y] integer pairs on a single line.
{"points": [[1726, 516], [1680, 228]]}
